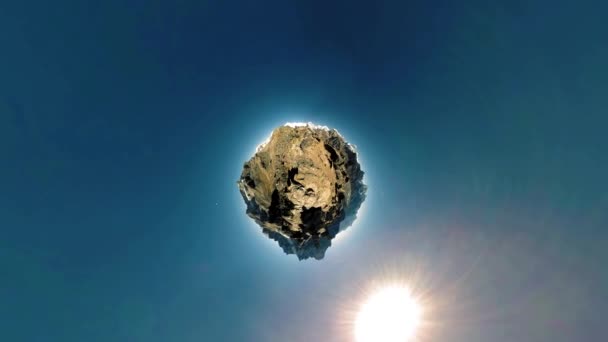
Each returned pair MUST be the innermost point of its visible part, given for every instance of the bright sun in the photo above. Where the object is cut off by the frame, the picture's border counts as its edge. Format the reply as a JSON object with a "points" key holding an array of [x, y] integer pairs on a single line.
{"points": [[389, 315]]}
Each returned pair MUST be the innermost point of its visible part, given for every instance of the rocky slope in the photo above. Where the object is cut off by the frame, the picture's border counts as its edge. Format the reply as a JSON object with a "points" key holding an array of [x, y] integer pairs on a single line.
{"points": [[301, 185]]}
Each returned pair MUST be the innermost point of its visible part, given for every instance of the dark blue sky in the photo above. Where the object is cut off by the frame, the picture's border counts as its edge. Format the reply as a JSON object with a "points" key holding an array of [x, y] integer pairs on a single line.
{"points": [[124, 126]]}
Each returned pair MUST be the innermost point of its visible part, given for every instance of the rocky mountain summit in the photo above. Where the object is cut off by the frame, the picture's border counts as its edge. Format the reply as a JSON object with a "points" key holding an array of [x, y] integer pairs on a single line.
{"points": [[303, 186]]}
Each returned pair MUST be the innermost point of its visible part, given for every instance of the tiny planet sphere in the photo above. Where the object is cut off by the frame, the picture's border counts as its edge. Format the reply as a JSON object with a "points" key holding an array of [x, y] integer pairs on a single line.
{"points": [[302, 187]]}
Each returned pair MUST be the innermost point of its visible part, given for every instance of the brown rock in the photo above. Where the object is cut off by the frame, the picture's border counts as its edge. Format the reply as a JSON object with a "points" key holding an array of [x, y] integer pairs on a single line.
{"points": [[301, 185]]}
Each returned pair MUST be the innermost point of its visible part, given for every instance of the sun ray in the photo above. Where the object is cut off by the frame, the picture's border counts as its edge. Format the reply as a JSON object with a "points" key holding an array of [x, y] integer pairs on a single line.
{"points": [[390, 315]]}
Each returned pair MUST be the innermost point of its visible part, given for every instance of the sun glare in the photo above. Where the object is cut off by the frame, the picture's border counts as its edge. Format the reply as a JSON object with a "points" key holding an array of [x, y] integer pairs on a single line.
{"points": [[389, 315]]}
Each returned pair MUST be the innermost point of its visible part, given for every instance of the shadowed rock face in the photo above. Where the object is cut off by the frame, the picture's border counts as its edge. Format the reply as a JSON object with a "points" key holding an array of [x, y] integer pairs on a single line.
{"points": [[301, 185]]}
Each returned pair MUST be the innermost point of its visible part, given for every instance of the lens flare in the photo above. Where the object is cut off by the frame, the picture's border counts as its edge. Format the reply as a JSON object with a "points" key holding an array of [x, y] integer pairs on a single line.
{"points": [[389, 315]]}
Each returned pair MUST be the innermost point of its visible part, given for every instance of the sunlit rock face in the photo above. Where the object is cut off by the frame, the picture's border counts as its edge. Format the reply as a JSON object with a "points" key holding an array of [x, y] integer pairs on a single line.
{"points": [[302, 187]]}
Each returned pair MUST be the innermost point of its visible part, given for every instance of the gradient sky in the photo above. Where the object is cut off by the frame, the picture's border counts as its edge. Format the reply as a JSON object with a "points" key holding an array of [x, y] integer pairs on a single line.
{"points": [[124, 125]]}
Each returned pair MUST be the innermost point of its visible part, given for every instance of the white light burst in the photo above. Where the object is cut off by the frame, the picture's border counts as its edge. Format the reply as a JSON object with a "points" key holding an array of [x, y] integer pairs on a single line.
{"points": [[389, 315]]}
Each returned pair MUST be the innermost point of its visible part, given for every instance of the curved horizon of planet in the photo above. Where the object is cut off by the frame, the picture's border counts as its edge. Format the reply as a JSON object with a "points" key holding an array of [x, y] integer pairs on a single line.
{"points": [[303, 186]]}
